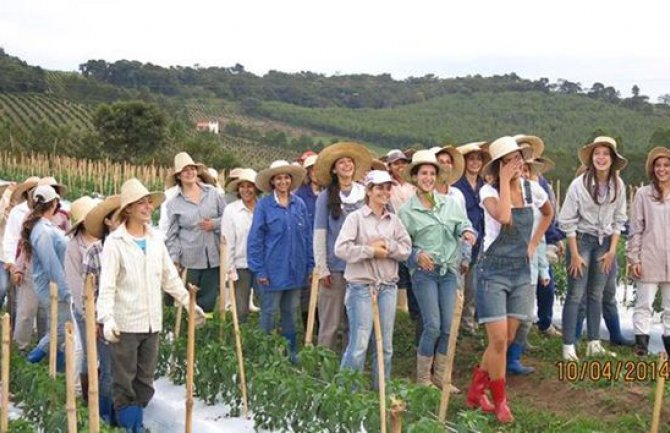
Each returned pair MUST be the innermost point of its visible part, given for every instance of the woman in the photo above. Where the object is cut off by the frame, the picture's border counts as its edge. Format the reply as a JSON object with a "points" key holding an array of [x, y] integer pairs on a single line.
{"points": [[235, 225], [436, 223], [592, 216], [647, 249], [75, 251], [372, 241], [99, 223], [135, 267], [194, 229], [338, 168], [502, 271], [43, 245], [279, 248], [539, 271]]}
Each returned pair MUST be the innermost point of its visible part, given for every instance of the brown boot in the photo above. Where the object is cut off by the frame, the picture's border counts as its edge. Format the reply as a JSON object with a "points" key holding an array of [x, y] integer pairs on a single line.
{"points": [[503, 412], [423, 366], [83, 380], [440, 368]]}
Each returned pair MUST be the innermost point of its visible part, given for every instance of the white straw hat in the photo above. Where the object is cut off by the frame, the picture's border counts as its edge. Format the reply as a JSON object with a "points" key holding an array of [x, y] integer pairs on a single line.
{"points": [[95, 219], [244, 175], [79, 209], [421, 157], [280, 166], [132, 190], [504, 146], [586, 152], [533, 141]]}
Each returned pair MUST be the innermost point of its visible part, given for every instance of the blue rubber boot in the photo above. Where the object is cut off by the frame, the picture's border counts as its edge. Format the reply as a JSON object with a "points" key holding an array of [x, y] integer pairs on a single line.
{"points": [[614, 328], [292, 346], [514, 365], [129, 418], [36, 355]]}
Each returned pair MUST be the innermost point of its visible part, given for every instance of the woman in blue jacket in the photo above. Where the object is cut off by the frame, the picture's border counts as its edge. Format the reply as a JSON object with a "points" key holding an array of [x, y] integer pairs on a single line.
{"points": [[279, 248]]}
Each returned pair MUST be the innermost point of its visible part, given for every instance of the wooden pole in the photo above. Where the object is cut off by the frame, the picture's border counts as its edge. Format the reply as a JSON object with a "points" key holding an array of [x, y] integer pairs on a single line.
{"points": [[451, 351], [238, 348], [660, 386], [4, 376], [91, 354], [223, 276], [70, 399], [311, 312], [53, 332], [190, 358], [380, 361], [177, 324]]}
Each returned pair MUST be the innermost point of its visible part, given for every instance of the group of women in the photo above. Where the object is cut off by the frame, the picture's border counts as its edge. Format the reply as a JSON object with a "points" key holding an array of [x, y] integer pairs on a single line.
{"points": [[477, 218]]}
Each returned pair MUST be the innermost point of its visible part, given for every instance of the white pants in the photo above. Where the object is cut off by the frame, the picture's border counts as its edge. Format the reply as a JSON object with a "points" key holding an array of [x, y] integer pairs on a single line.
{"points": [[646, 292]]}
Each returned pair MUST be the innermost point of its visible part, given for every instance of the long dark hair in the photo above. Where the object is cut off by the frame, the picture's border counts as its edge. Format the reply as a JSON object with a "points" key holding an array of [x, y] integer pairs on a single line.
{"points": [[590, 179], [39, 209], [334, 200], [656, 185]]}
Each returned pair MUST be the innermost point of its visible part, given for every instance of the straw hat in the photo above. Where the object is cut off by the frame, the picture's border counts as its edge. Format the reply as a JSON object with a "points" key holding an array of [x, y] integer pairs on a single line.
{"points": [[378, 164], [324, 162], [504, 146], [234, 173], [245, 175], [540, 165], [183, 160], [132, 190], [94, 222], [52, 182], [78, 211], [309, 161], [654, 154], [476, 146], [421, 157], [20, 193], [4, 185], [534, 142], [586, 152], [451, 175], [280, 167]]}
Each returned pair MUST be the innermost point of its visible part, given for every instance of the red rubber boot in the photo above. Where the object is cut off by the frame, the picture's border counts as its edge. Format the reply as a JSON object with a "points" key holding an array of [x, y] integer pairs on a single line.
{"points": [[477, 392], [503, 413]]}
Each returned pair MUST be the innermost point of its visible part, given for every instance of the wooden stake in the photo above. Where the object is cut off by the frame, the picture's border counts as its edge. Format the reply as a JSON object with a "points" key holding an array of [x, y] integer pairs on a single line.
{"points": [[53, 332], [177, 325], [190, 358], [238, 348], [660, 386], [311, 312], [451, 351], [380, 360], [223, 276], [91, 354], [70, 399], [4, 376]]}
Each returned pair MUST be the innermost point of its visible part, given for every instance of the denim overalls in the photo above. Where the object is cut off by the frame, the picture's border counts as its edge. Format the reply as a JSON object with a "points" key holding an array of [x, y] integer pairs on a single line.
{"points": [[503, 270]]}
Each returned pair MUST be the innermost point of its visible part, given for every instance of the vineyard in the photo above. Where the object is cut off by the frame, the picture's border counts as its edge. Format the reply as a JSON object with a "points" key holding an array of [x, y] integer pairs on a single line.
{"points": [[27, 110]]}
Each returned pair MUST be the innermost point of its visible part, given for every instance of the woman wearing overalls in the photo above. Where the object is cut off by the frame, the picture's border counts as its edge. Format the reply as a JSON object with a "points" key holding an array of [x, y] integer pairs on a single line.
{"points": [[503, 268]]}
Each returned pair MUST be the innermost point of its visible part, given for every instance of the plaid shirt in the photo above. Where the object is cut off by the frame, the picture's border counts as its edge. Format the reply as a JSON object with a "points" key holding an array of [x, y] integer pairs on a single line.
{"points": [[91, 263]]}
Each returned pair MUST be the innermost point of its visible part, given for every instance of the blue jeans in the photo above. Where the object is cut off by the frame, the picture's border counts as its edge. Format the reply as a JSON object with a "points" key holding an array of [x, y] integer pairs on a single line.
{"points": [[4, 283], [284, 302], [105, 378], [436, 295], [591, 282], [610, 308], [358, 302], [545, 302], [64, 314], [81, 325]]}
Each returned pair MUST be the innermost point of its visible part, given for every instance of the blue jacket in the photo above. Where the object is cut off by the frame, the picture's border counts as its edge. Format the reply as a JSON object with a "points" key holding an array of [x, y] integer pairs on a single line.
{"points": [[474, 210], [307, 195], [48, 243], [553, 233], [279, 246]]}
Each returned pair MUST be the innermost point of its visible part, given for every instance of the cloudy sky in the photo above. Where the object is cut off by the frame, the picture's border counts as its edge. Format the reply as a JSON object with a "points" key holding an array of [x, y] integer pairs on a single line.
{"points": [[583, 41]]}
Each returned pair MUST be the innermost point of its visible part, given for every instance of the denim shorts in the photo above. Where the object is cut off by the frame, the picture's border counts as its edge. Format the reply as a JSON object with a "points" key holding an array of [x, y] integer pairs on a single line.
{"points": [[503, 288]]}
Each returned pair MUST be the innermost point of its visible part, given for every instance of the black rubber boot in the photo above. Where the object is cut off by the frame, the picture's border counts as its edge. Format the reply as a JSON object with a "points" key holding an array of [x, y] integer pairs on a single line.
{"points": [[641, 345]]}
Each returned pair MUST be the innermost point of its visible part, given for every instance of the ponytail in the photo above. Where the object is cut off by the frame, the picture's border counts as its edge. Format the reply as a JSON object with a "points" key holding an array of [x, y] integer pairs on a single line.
{"points": [[39, 209]]}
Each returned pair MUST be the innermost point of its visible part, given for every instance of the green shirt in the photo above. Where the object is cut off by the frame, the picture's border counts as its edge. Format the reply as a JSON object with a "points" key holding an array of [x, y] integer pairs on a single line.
{"points": [[436, 231]]}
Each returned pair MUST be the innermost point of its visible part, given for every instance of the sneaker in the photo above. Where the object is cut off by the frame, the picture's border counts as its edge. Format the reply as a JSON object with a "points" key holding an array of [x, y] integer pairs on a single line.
{"points": [[551, 331], [569, 353], [595, 348]]}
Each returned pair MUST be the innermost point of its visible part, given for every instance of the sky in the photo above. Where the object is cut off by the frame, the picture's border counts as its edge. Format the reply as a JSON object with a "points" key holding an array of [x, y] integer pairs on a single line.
{"points": [[582, 41]]}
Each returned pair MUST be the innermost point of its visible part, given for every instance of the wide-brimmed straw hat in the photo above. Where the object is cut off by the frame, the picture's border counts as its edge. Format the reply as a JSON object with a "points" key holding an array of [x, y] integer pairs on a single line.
{"points": [[183, 160], [323, 166], [652, 156], [309, 161], [78, 211], [586, 153], [504, 146], [421, 157], [451, 175], [280, 166], [20, 192], [94, 222], [4, 185], [377, 164], [245, 175], [540, 165], [476, 146], [132, 191], [533, 141]]}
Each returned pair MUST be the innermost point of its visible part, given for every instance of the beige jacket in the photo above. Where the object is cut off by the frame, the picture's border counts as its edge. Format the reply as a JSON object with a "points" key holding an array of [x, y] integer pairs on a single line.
{"points": [[649, 239]]}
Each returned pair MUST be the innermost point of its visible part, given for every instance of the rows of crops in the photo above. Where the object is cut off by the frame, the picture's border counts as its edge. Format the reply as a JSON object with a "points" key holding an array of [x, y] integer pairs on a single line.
{"points": [[26, 110]]}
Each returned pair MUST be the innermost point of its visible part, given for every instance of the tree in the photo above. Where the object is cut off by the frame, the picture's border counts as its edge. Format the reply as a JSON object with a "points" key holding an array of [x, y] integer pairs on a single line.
{"points": [[568, 87], [130, 131], [664, 99]]}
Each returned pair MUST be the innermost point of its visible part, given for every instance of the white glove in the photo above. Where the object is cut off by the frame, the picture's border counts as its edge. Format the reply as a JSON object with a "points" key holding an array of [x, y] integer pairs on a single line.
{"points": [[200, 316], [111, 331]]}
